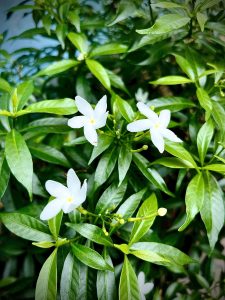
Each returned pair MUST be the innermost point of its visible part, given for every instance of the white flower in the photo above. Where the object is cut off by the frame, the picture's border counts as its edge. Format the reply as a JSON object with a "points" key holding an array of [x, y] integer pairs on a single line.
{"points": [[156, 124], [144, 288], [141, 96], [66, 198], [91, 120]]}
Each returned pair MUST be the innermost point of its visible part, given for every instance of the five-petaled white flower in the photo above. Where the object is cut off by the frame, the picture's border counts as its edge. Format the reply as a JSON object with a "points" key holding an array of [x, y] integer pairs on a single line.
{"points": [[156, 124], [92, 119], [66, 198], [144, 288], [141, 96]]}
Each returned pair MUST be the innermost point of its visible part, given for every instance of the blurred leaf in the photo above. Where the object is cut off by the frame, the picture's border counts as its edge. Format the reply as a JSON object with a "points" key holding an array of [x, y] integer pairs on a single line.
{"points": [[92, 232], [216, 168], [24, 91], [19, 159], [148, 209], [5, 86], [201, 18], [61, 31], [125, 10], [174, 104], [49, 154], [46, 288], [164, 24], [128, 288], [74, 19], [26, 227], [204, 101], [4, 174], [54, 224], [47, 21], [173, 162], [185, 66], [90, 257]]}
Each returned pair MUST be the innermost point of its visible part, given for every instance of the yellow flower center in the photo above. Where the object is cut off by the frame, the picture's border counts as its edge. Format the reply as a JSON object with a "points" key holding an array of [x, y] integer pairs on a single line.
{"points": [[69, 199], [157, 125], [92, 121]]}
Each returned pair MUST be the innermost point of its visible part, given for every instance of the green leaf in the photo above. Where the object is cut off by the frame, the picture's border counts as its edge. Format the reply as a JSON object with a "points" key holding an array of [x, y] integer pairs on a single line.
{"points": [[173, 162], [180, 152], [124, 108], [130, 205], [26, 227], [149, 256], [126, 9], [164, 24], [197, 64], [46, 287], [59, 107], [108, 49], [90, 257], [168, 5], [92, 232], [152, 175], [204, 101], [5, 86], [169, 253], [19, 159], [47, 21], [99, 72], [204, 138], [24, 90], [212, 211], [185, 66], [4, 174], [49, 154], [48, 125], [111, 197], [128, 288], [61, 30], [216, 168], [107, 163], [116, 81], [74, 19], [218, 114], [174, 104], [201, 18], [58, 67], [194, 199], [148, 209], [171, 80], [54, 224], [106, 284], [74, 279], [124, 161], [79, 40], [103, 143]]}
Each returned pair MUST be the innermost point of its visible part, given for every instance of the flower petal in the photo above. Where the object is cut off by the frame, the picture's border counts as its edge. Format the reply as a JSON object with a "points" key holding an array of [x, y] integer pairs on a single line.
{"points": [[171, 136], [139, 125], [69, 206], [77, 122], [51, 209], [141, 279], [157, 140], [84, 107], [164, 117], [82, 194], [146, 111], [73, 182], [101, 120], [101, 106], [148, 286], [91, 134], [56, 189]]}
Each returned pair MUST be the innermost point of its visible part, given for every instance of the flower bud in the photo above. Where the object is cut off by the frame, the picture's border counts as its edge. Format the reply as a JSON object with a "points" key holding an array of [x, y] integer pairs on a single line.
{"points": [[162, 211]]}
